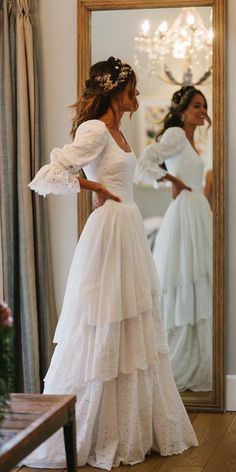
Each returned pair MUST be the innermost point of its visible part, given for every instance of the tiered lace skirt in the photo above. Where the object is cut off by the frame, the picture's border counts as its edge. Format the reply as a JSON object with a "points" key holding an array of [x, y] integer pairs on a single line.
{"points": [[112, 353], [183, 258]]}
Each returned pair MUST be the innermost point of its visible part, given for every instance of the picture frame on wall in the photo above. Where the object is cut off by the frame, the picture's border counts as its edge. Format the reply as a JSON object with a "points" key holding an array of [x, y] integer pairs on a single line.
{"points": [[152, 110]]}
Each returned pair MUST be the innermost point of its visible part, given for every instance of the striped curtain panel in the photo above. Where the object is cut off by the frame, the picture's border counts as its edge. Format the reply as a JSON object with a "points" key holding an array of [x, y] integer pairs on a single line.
{"points": [[26, 270], [1, 265]]}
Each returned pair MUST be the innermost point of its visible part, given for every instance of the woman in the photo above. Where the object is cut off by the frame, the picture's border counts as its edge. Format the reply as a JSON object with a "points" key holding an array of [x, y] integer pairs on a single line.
{"points": [[183, 247], [111, 350]]}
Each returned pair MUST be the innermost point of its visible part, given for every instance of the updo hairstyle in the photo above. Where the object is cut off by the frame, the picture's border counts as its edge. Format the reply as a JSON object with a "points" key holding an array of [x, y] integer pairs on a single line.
{"points": [[107, 79]]}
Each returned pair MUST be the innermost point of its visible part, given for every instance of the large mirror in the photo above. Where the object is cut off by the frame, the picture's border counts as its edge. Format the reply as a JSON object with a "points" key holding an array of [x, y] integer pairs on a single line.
{"points": [[109, 28]]}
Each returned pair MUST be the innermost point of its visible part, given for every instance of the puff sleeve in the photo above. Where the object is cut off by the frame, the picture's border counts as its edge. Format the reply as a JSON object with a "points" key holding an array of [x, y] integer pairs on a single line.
{"points": [[59, 177], [148, 168]]}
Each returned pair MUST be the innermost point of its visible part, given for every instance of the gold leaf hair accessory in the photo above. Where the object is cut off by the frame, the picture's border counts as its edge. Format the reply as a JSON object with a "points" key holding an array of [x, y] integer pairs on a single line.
{"points": [[107, 83]]}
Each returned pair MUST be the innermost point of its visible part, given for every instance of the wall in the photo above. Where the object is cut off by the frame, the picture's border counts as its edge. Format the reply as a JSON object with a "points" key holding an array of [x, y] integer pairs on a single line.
{"points": [[58, 36], [58, 29]]}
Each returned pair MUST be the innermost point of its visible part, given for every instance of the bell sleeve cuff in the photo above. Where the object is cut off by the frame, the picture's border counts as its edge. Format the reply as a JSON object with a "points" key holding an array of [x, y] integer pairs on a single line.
{"points": [[60, 176], [148, 169], [54, 178]]}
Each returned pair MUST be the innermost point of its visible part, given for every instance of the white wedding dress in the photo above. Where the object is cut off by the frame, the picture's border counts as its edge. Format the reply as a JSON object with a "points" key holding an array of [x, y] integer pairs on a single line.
{"points": [[183, 257], [111, 350]]}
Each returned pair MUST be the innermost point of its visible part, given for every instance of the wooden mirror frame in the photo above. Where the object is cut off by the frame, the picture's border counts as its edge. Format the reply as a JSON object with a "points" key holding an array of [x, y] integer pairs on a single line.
{"points": [[198, 402]]}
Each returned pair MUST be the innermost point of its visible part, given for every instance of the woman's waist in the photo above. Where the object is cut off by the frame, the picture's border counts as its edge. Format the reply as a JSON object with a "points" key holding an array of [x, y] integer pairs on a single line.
{"points": [[124, 193], [193, 197], [197, 189]]}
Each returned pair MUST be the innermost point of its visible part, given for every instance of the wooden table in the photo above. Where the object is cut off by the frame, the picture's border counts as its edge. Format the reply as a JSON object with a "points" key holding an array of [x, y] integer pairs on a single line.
{"points": [[32, 419]]}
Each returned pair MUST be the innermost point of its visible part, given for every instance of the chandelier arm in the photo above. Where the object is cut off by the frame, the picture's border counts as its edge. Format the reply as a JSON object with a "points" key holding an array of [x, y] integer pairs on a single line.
{"points": [[170, 76], [204, 77], [171, 80], [205, 83], [164, 79]]}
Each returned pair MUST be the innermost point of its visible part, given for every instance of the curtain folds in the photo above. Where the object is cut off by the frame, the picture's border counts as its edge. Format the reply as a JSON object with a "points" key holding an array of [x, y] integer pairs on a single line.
{"points": [[27, 279]]}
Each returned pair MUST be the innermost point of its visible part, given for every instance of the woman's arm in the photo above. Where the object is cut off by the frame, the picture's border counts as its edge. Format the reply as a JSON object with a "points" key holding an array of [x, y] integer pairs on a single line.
{"points": [[208, 185], [177, 185], [102, 193]]}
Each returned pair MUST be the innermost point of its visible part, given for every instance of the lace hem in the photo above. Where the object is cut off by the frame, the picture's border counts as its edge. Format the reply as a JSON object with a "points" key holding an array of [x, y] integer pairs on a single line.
{"points": [[191, 356], [105, 351], [122, 420]]}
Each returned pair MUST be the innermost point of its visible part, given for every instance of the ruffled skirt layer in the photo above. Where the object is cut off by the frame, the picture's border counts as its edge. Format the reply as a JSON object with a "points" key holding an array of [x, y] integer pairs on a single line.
{"points": [[112, 352], [183, 258]]}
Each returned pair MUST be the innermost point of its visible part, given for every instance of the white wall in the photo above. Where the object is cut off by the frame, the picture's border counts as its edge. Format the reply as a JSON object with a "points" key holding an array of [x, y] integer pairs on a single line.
{"points": [[58, 36], [58, 30]]}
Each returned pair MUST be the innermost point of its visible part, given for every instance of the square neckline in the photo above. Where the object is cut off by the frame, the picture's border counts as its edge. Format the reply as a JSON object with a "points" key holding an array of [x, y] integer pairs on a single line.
{"points": [[197, 154], [113, 139]]}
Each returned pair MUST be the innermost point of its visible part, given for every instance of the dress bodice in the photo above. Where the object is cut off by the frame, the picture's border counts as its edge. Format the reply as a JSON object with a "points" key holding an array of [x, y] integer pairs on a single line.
{"points": [[180, 158], [95, 150], [114, 169], [188, 166]]}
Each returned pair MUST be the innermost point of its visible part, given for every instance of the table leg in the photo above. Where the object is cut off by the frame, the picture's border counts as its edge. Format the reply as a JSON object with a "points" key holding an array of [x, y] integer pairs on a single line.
{"points": [[69, 430]]}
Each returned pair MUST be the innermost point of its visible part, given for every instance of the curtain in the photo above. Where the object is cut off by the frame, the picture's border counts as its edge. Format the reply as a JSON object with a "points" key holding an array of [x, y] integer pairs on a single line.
{"points": [[1, 266], [26, 267]]}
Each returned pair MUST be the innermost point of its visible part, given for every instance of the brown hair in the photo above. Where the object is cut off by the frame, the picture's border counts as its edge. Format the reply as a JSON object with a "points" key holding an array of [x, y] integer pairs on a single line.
{"points": [[106, 80], [180, 101]]}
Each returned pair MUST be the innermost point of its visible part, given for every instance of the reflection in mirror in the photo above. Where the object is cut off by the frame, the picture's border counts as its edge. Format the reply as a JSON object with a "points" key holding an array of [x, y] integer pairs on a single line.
{"points": [[183, 244], [110, 18], [179, 230]]}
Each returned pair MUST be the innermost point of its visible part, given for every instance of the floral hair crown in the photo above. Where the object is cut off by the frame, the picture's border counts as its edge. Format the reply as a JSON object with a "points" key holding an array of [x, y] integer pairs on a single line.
{"points": [[105, 80], [180, 96]]}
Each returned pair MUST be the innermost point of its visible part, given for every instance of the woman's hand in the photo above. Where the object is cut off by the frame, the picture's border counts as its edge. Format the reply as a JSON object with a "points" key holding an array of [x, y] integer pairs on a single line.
{"points": [[177, 187], [100, 193], [101, 196]]}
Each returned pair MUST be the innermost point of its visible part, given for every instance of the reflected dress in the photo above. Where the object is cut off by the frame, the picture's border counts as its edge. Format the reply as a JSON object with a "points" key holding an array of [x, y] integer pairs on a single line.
{"points": [[183, 258], [111, 350]]}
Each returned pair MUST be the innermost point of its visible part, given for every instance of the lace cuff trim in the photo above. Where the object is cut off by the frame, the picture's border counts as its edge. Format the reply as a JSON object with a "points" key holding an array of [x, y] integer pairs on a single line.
{"points": [[148, 169], [54, 178], [148, 172]]}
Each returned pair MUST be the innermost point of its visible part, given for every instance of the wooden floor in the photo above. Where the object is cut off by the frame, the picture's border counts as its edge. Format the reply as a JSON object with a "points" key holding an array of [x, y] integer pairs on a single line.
{"points": [[216, 452]]}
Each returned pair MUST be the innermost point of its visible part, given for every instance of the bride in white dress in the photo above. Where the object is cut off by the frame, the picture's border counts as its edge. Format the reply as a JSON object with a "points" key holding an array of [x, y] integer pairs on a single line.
{"points": [[111, 349], [183, 246]]}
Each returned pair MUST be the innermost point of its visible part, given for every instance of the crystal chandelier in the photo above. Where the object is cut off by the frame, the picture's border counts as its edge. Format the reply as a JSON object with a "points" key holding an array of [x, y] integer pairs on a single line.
{"points": [[179, 55]]}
